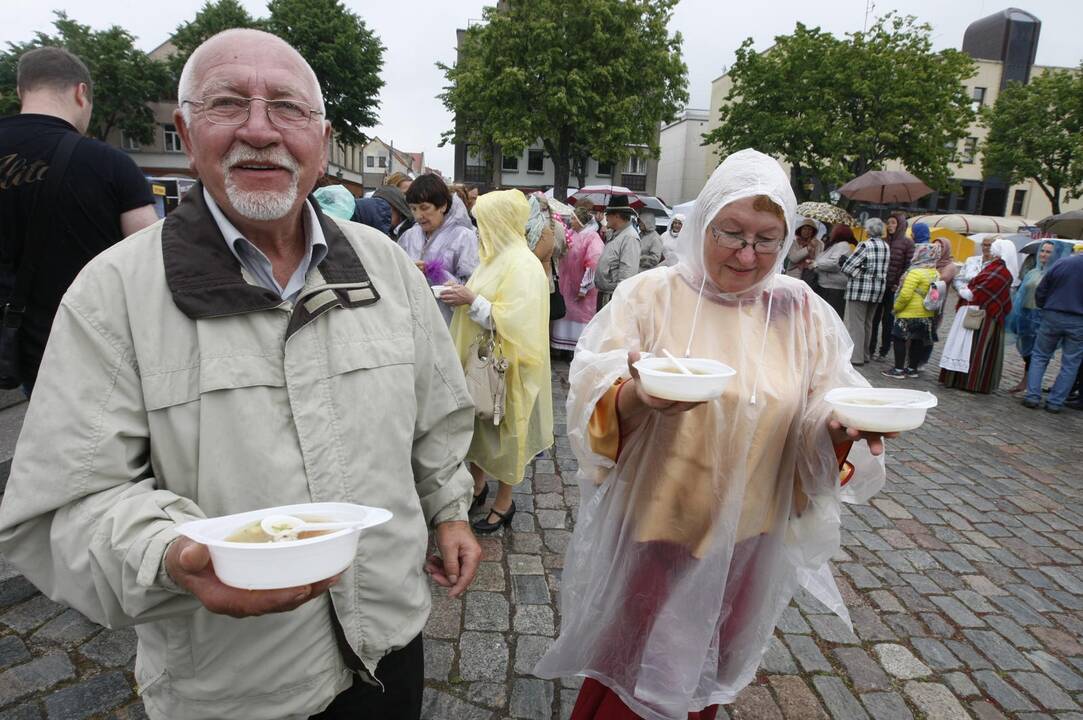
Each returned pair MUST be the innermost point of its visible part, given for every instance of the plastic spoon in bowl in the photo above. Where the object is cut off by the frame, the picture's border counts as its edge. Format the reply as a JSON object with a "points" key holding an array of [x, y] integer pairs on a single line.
{"points": [[283, 526], [678, 363]]}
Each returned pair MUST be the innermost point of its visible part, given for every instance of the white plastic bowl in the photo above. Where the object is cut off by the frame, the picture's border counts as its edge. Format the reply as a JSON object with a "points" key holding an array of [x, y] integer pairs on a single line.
{"points": [[899, 410], [676, 385], [438, 290], [268, 566]]}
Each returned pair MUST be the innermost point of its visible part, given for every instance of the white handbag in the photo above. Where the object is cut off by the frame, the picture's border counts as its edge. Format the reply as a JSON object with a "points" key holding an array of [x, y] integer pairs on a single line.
{"points": [[485, 372]]}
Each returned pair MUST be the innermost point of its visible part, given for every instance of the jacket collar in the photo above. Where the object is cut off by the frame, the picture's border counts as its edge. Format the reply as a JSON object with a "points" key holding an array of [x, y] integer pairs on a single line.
{"points": [[205, 278]]}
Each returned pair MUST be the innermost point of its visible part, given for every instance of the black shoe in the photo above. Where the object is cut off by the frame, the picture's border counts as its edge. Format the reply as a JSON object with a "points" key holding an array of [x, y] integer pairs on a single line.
{"points": [[479, 499], [1074, 404], [1052, 408], [1032, 404], [484, 527], [895, 373], [913, 372]]}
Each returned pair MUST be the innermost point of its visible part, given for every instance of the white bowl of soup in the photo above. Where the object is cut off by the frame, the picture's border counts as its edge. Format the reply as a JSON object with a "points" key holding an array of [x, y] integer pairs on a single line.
{"points": [[661, 378], [880, 409], [246, 557]]}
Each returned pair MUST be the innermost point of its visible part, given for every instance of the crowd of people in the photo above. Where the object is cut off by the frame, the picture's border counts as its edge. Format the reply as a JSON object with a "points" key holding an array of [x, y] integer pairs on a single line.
{"points": [[257, 348]]}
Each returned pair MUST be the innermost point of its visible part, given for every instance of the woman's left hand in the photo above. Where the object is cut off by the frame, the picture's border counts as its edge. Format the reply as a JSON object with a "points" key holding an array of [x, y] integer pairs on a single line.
{"points": [[840, 435], [456, 294]]}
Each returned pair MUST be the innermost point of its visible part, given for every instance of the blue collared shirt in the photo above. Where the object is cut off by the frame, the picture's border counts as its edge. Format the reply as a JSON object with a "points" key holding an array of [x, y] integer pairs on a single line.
{"points": [[256, 263]]}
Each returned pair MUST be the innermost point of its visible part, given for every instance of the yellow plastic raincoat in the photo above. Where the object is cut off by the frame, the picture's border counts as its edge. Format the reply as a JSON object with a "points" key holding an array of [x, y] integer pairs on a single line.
{"points": [[511, 278]]}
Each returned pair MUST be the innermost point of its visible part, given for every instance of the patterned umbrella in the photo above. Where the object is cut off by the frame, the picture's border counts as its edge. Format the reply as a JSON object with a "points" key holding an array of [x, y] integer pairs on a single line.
{"points": [[1067, 224], [825, 213], [600, 194]]}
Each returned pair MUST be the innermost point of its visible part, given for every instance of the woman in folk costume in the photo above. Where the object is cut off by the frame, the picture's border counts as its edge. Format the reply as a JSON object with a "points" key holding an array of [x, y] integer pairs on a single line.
{"points": [[576, 271], [508, 294], [698, 522], [974, 359]]}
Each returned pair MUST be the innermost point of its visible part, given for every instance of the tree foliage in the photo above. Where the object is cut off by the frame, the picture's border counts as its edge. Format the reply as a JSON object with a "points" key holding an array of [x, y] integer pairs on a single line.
{"points": [[125, 78], [586, 78], [212, 18], [834, 108], [1036, 131]]}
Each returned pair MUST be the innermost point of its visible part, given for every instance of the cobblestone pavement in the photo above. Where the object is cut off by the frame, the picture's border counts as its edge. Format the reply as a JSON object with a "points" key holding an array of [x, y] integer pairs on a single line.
{"points": [[964, 578]]}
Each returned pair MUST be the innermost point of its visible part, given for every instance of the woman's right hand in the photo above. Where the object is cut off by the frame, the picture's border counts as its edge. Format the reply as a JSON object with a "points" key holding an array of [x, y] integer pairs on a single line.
{"points": [[632, 403]]}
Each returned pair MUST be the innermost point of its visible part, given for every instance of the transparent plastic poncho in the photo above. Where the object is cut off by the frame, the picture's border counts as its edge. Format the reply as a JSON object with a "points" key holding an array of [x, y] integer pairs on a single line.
{"points": [[689, 547]]}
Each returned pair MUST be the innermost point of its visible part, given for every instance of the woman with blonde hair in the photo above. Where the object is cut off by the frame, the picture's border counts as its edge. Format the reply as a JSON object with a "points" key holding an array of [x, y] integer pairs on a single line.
{"points": [[508, 297]]}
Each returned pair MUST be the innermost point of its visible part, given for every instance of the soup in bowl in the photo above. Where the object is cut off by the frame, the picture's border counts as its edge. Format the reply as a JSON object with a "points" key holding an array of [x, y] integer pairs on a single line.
{"points": [[661, 378], [880, 409]]}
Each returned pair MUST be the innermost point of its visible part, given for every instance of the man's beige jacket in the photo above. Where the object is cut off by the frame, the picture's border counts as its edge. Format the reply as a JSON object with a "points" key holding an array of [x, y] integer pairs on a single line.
{"points": [[173, 389]]}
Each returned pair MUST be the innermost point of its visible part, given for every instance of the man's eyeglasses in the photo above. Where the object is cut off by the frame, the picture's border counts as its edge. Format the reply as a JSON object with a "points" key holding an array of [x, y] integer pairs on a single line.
{"points": [[233, 110], [737, 242]]}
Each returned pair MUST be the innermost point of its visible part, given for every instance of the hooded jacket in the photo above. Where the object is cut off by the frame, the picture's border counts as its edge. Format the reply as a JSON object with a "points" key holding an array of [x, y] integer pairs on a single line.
{"points": [[172, 389], [902, 249]]}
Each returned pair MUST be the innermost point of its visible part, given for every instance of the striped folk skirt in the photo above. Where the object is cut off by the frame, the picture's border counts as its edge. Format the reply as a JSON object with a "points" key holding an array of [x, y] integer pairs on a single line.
{"points": [[986, 361]]}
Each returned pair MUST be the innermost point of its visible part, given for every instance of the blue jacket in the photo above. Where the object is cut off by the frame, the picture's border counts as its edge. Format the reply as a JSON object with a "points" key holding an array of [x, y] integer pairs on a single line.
{"points": [[374, 212], [1062, 287]]}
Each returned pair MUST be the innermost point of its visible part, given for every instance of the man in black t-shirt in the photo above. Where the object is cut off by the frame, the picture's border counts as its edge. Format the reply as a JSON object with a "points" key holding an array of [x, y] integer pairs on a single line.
{"points": [[103, 197]]}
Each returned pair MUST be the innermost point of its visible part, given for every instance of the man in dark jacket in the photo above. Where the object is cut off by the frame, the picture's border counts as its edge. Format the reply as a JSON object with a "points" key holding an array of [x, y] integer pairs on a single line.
{"points": [[386, 211], [1060, 296], [902, 249]]}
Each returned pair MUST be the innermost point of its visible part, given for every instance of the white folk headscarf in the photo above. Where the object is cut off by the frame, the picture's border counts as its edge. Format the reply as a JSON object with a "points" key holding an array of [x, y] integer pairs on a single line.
{"points": [[1005, 250]]}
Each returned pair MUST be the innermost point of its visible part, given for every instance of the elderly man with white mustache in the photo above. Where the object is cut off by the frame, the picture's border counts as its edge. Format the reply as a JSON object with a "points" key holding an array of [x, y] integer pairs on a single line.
{"points": [[248, 352]]}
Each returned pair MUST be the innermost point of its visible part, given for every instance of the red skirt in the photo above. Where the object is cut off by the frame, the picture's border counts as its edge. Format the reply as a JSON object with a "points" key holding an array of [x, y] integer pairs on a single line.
{"points": [[661, 562]]}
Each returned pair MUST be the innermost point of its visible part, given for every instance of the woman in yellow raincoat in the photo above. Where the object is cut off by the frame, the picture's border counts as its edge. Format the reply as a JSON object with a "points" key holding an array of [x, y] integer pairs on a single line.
{"points": [[509, 295]]}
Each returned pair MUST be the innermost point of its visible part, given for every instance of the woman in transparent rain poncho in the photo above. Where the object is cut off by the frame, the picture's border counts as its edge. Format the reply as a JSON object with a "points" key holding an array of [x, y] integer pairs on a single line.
{"points": [[697, 523]]}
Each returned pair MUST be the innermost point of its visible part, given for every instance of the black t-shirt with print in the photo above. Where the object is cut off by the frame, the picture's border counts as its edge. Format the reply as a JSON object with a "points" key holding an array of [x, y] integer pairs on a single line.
{"points": [[100, 184]]}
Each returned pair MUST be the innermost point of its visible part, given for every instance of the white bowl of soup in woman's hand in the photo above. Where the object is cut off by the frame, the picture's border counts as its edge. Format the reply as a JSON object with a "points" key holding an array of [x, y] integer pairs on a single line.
{"points": [[880, 409], [661, 378], [245, 556]]}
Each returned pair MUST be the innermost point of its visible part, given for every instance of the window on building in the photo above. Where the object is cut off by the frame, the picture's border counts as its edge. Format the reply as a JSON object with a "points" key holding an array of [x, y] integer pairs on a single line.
{"points": [[509, 163], [535, 161], [977, 98], [637, 165], [970, 149], [1018, 198], [605, 168], [172, 139], [383, 161], [943, 202], [370, 161], [129, 143]]}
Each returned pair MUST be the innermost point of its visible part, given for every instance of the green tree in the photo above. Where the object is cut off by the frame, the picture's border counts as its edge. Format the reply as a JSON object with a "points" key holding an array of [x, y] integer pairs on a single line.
{"points": [[345, 54], [591, 77], [1036, 132], [212, 18], [835, 108], [125, 78]]}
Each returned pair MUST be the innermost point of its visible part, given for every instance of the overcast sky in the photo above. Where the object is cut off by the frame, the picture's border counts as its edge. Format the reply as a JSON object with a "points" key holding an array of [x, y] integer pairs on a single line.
{"points": [[418, 33]]}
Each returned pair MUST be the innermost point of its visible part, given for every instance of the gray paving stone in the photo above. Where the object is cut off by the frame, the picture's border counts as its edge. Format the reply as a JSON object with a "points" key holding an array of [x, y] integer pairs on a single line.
{"points": [[534, 620], [523, 522], [975, 601], [22, 712], [525, 565], [12, 651], [110, 648], [864, 673], [69, 628], [886, 706], [96, 695], [439, 655], [998, 650], [899, 662], [832, 629], [937, 625], [1044, 691], [935, 654], [486, 611], [1058, 671], [961, 685], [791, 621], [557, 540], [532, 699], [445, 618], [777, 659], [959, 613], [528, 651], [922, 583], [839, 700], [1004, 694], [1022, 612], [935, 701], [795, 699], [1016, 635], [807, 653], [483, 656], [16, 589], [36, 611], [439, 705], [966, 652], [489, 693], [490, 577], [902, 623], [869, 626], [529, 590], [35, 676], [755, 702]]}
